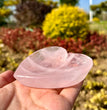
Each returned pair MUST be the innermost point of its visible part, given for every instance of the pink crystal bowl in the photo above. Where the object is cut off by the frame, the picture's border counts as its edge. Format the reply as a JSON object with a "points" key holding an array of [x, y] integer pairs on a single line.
{"points": [[53, 67]]}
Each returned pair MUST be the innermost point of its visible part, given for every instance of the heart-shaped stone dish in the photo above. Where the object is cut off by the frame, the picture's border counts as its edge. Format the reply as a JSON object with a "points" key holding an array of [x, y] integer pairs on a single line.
{"points": [[53, 67]]}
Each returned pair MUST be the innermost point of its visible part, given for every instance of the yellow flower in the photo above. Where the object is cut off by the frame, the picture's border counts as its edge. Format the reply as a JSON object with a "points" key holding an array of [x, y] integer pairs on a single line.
{"points": [[105, 73], [105, 102], [102, 32], [64, 20], [3, 69], [98, 71], [30, 52], [95, 62], [1, 41]]}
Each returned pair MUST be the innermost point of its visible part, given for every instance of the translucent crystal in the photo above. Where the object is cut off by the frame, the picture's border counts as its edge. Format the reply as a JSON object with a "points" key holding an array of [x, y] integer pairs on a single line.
{"points": [[53, 67]]}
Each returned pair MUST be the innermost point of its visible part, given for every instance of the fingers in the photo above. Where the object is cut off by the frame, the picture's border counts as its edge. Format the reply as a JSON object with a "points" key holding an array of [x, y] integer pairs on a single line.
{"points": [[6, 78], [71, 93]]}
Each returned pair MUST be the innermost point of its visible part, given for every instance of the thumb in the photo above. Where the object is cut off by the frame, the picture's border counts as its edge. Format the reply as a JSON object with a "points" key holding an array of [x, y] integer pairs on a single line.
{"points": [[6, 78]]}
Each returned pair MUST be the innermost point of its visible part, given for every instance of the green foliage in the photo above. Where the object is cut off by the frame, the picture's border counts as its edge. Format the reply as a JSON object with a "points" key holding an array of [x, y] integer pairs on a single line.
{"points": [[98, 9], [1, 3], [49, 2], [103, 5], [11, 2], [4, 13], [66, 21], [94, 7], [31, 13], [69, 2]]}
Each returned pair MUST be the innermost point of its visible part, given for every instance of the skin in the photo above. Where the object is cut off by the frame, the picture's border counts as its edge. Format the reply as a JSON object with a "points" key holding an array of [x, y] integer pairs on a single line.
{"points": [[15, 96]]}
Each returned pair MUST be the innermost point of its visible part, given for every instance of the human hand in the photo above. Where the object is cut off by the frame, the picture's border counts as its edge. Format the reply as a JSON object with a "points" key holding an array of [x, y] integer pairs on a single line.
{"points": [[15, 96]]}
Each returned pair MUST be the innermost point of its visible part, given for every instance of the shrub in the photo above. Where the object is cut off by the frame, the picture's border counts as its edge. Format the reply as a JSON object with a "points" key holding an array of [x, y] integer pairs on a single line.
{"points": [[4, 13], [21, 40], [95, 43], [49, 2], [94, 85], [95, 19], [66, 21], [7, 61], [98, 101], [31, 12], [71, 2]]}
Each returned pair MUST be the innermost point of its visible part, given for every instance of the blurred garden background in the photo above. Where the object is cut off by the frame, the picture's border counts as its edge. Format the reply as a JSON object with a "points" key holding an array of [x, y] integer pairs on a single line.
{"points": [[29, 25]]}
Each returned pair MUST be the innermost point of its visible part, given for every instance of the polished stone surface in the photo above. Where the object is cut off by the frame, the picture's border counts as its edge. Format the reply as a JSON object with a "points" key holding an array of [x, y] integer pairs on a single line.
{"points": [[53, 67]]}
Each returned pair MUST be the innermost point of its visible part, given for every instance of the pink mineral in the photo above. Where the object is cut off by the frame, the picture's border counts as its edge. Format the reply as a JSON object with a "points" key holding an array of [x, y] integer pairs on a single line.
{"points": [[53, 67]]}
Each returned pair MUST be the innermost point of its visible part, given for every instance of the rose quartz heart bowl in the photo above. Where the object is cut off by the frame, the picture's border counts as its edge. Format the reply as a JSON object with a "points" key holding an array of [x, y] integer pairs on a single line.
{"points": [[53, 67]]}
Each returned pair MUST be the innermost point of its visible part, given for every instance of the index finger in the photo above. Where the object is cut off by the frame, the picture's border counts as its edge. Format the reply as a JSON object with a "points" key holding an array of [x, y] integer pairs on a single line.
{"points": [[71, 93]]}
